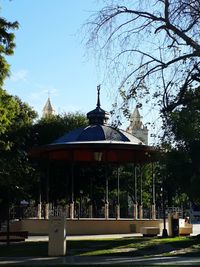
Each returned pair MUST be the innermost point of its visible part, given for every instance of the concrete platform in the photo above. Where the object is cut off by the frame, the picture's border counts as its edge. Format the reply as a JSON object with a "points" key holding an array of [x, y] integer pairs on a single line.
{"points": [[87, 226]]}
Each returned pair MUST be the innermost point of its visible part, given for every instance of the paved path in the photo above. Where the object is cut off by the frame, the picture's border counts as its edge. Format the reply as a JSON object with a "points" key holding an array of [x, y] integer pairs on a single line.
{"points": [[81, 237], [84, 260]]}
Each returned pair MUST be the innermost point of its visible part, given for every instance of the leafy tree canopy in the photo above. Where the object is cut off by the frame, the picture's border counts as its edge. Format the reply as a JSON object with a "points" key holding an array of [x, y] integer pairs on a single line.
{"points": [[7, 45], [183, 163], [8, 105], [185, 121], [8, 110], [15, 171], [46, 130]]}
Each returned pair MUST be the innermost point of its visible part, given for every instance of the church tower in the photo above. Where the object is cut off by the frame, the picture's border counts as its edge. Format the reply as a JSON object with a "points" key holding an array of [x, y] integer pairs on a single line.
{"points": [[48, 109], [137, 128]]}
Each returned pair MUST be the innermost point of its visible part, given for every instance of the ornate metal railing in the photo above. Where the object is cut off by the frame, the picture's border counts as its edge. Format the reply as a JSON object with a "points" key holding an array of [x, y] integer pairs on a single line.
{"points": [[20, 212]]}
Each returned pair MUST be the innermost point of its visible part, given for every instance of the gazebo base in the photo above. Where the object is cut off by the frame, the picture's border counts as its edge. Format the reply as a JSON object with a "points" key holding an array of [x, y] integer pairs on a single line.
{"points": [[87, 226]]}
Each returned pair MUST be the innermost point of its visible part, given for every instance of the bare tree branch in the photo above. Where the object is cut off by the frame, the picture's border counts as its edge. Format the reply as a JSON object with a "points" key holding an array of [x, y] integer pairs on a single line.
{"points": [[130, 33]]}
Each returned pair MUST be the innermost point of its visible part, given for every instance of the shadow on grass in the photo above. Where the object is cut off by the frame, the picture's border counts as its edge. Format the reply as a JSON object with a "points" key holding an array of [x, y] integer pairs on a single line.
{"points": [[77, 247], [24, 249], [188, 246], [117, 247], [135, 246]]}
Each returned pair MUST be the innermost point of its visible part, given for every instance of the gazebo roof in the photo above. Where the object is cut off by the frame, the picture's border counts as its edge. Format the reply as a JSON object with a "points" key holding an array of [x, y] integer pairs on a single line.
{"points": [[97, 132], [97, 142]]}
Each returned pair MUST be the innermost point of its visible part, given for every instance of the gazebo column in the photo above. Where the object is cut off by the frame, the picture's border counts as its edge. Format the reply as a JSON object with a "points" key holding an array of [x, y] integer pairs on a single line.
{"points": [[66, 211], [153, 206], [46, 211], [90, 208], [39, 210], [135, 211], [135, 205], [141, 204], [39, 206], [71, 205], [71, 210], [153, 211], [106, 210], [141, 211], [118, 191], [67, 204], [106, 197], [46, 206]]}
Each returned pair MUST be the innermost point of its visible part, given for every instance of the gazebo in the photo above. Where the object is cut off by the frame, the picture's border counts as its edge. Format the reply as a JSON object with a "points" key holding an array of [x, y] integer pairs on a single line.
{"points": [[99, 143]]}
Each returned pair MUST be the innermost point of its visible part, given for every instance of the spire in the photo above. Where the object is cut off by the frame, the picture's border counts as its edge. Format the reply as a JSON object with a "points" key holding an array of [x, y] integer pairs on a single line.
{"points": [[98, 115], [136, 126], [98, 96], [136, 118], [47, 109]]}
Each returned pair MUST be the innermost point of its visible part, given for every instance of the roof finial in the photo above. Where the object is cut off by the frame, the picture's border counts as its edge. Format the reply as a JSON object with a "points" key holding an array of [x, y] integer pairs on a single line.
{"points": [[98, 96], [98, 115]]}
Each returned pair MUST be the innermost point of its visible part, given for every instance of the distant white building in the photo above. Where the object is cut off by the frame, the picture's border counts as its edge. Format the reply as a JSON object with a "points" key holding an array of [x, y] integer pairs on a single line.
{"points": [[48, 109], [137, 128]]}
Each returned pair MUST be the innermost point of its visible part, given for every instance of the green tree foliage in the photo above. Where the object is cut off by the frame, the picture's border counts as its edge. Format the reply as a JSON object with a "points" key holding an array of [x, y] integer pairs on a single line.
{"points": [[8, 110], [8, 106], [15, 171], [184, 122], [15, 117], [7, 45], [46, 130], [184, 160]]}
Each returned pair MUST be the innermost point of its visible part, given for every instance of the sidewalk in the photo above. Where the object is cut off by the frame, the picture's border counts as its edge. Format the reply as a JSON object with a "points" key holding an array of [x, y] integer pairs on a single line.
{"points": [[84, 260]]}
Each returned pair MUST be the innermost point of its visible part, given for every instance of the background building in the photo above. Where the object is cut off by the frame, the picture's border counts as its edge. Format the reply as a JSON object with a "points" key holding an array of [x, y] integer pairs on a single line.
{"points": [[137, 128], [48, 110]]}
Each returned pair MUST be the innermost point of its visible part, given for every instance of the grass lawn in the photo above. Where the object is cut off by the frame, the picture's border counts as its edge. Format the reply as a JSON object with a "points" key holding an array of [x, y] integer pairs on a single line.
{"points": [[136, 246], [127, 246]]}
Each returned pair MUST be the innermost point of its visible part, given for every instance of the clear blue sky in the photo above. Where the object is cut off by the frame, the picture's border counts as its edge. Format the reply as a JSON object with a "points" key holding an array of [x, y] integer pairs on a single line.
{"points": [[50, 56]]}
